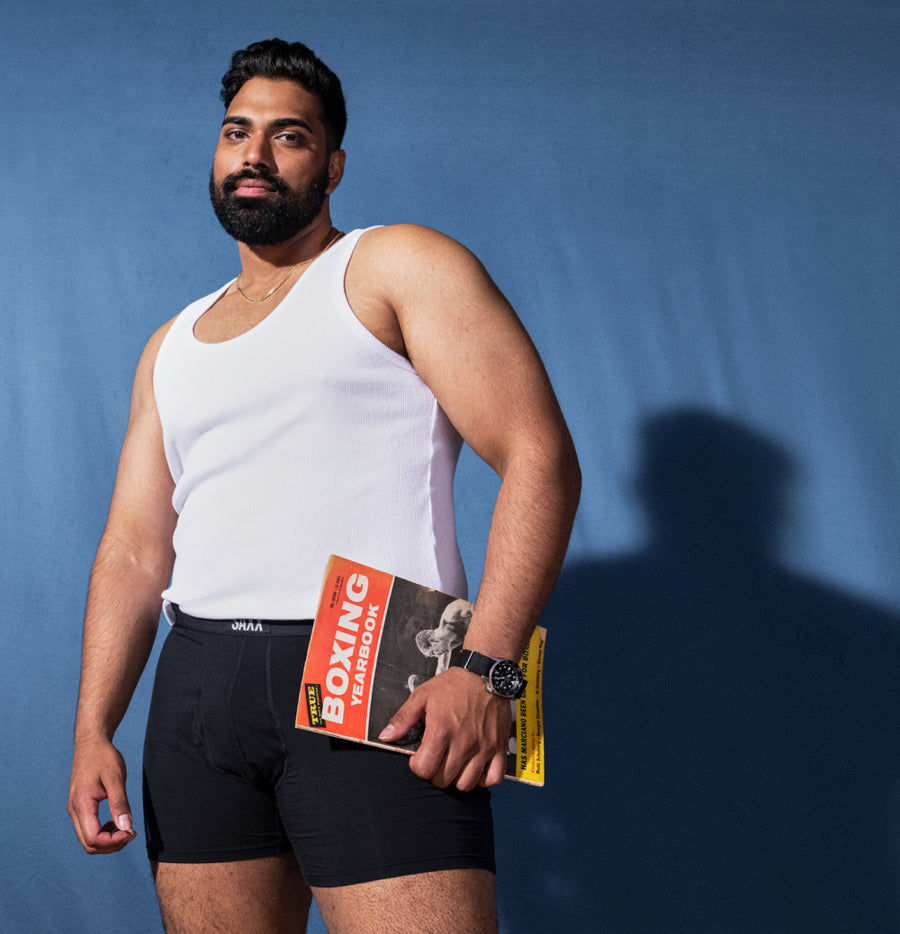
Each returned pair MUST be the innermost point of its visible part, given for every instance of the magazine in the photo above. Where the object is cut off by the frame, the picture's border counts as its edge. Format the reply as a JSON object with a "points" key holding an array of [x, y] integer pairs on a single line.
{"points": [[377, 637]]}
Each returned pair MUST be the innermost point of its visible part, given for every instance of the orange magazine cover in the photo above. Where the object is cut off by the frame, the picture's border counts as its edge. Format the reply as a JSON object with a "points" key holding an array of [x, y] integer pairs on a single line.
{"points": [[376, 637]]}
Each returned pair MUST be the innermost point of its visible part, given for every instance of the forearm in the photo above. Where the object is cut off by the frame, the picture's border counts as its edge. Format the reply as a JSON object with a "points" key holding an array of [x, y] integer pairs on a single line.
{"points": [[527, 542], [120, 626], [467, 729]]}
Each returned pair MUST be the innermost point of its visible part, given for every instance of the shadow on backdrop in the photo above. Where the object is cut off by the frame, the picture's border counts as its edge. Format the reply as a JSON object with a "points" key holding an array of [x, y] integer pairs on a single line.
{"points": [[727, 756]]}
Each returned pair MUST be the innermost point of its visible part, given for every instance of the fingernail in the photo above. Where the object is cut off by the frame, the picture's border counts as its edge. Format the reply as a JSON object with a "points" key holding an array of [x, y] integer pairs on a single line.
{"points": [[123, 822], [387, 732]]}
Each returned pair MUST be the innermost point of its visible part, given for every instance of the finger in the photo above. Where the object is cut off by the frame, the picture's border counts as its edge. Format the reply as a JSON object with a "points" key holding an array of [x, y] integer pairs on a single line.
{"points": [[117, 838], [120, 810], [495, 771], [119, 830], [96, 839], [404, 719], [429, 760], [84, 810], [110, 843], [464, 760], [472, 775]]}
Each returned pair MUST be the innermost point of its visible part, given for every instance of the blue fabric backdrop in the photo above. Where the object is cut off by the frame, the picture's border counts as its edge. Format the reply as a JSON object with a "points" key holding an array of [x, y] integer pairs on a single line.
{"points": [[693, 204]]}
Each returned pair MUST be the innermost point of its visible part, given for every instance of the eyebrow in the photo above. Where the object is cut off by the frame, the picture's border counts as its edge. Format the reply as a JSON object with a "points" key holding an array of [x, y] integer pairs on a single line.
{"points": [[275, 124]]}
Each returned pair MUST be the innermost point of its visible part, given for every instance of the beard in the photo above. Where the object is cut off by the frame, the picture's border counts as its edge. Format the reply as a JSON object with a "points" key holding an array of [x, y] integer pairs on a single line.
{"points": [[267, 221]]}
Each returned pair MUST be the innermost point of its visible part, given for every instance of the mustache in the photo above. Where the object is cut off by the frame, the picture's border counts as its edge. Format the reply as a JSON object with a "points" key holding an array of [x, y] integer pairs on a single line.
{"points": [[231, 182]]}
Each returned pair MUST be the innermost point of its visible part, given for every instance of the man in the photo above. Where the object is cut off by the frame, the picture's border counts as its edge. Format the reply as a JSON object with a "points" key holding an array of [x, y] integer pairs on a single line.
{"points": [[448, 635], [313, 405]]}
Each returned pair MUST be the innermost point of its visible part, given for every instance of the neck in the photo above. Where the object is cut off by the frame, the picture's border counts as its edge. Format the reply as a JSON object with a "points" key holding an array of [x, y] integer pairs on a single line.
{"points": [[260, 263]]}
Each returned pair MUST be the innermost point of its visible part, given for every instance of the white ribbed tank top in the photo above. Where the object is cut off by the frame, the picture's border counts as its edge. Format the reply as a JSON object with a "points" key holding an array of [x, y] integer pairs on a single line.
{"points": [[303, 437]]}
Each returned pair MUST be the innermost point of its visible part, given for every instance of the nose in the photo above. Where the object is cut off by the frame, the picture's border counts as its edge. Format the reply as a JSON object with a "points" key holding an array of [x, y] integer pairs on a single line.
{"points": [[258, 153]]}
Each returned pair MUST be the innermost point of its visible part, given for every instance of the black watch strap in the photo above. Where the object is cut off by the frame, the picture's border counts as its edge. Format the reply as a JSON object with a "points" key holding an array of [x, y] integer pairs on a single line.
{"points": [[475, 662]]}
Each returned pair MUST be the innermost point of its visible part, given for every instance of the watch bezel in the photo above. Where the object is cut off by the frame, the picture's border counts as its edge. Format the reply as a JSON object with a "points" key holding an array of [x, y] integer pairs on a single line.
{"points": [[485, 666], [507, 670]]}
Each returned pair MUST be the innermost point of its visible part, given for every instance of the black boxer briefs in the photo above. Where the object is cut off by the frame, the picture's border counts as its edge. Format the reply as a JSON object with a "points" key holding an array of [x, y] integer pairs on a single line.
{"points": [[227, 776]]}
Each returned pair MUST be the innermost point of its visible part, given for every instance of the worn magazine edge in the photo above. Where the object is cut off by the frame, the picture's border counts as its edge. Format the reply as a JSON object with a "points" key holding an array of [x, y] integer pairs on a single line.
{"points": [[329, 565], [406, 752]]}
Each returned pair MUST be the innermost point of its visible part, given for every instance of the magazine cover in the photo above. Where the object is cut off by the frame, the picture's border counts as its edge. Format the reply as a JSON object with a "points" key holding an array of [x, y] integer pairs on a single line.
{"points": [[377, 637]]}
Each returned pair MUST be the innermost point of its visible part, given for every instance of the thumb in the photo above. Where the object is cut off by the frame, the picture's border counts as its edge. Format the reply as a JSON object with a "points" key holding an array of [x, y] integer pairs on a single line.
{"points": [[120, 810], [404, 719]]}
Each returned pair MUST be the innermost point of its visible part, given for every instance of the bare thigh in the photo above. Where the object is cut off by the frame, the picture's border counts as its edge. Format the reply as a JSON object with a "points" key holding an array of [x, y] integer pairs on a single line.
{"points": [[451, 901], [257, 896]]}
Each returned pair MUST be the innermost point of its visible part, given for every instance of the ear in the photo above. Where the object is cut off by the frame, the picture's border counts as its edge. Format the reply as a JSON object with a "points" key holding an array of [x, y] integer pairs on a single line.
{"points": [[335, 169]]}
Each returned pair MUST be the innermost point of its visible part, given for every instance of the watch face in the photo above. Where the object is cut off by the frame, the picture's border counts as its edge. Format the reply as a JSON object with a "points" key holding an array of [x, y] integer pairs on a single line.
{"points": [[506, 678]]}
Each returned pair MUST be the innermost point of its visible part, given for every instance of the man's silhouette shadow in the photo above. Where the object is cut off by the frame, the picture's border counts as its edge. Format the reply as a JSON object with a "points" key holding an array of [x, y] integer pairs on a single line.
{"points": [[723, 734]]}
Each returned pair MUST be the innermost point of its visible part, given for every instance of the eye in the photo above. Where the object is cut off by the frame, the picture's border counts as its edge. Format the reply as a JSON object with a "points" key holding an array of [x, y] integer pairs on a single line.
{"points": [[291, 138], [234, 133]]}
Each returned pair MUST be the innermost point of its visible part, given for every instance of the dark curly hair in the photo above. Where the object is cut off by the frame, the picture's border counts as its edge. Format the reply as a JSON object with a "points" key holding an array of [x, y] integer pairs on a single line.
{"points": [[275, 58]]}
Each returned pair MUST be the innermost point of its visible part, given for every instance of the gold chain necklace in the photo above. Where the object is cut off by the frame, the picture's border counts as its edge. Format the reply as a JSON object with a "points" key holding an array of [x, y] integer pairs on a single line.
{"points": [[284, 278]]}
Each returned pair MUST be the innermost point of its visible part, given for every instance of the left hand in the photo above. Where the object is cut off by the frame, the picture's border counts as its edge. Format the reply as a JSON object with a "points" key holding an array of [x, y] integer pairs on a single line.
{"points": [[466, 730]]}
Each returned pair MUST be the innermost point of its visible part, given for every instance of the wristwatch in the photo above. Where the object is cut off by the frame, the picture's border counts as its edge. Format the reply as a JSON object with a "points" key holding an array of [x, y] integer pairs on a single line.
{"points": [[502, 676]]}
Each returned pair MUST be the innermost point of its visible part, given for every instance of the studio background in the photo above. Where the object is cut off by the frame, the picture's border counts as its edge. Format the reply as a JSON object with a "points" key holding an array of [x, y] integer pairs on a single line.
{"points": [[693, 205]]}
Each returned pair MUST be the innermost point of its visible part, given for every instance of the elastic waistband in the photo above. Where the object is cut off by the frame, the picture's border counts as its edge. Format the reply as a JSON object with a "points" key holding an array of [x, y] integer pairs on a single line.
{"points": [[271, 627]]}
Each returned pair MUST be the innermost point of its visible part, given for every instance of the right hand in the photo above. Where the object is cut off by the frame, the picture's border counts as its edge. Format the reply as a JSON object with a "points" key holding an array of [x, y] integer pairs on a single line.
{"points": [[98, 774], [466, 731]]}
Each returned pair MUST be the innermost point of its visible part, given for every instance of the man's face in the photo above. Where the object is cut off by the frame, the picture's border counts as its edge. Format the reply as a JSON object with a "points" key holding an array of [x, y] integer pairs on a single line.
{"points": [[272, 171], [456, 616]]}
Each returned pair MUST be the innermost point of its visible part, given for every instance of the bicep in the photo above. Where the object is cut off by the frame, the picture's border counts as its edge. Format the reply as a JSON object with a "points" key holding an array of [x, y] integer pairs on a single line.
{"points": [[468, 345], [141, 514]]}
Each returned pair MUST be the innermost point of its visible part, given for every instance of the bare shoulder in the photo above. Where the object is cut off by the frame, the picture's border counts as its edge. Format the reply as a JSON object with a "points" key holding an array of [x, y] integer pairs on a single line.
{"points": [[411, 249], [406, 236], [143, 380], [404, 275], [153, 344]]}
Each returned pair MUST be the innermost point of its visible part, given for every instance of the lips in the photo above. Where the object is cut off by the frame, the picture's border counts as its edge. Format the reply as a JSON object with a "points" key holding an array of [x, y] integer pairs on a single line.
{"points": [[251, 186]]}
